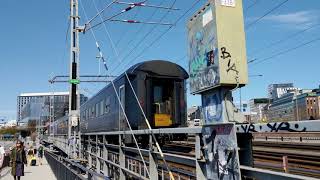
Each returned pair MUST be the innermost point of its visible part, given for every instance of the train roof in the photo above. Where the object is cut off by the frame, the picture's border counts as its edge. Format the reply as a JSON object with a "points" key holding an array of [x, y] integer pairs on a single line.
{"points": [[159, 68]]}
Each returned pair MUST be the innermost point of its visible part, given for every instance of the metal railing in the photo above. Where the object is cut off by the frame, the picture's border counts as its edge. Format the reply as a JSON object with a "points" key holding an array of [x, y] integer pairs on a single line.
{"points": [[61, 170]]}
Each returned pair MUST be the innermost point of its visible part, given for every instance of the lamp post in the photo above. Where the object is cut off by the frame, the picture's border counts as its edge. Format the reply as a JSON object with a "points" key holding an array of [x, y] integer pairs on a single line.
{"points": [[252, 75]]}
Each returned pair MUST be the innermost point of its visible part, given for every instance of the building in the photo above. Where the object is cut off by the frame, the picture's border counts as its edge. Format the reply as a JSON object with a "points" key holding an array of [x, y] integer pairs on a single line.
{"points": [[31, 105], [275, 91], [257, 107], [307, 106], [282, 109]]}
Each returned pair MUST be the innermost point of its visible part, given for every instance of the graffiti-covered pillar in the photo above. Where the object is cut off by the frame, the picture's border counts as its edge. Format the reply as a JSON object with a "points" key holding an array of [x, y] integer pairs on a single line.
{"points": [[217, 66]]}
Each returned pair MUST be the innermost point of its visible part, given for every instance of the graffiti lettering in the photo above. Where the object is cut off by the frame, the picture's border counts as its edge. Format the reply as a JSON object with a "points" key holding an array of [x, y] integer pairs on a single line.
{"points": [[233, 68], [271, 127], [225, 54], [284, 126], [248, 128]]}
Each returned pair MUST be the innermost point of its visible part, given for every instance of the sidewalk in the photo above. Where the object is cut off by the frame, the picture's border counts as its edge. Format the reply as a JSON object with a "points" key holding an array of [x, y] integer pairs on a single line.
{"points": [[34, 172]]}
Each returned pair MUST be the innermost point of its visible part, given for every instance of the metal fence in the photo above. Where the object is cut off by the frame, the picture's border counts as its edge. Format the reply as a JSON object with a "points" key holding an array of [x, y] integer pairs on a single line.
{"points": [[61, 170]]}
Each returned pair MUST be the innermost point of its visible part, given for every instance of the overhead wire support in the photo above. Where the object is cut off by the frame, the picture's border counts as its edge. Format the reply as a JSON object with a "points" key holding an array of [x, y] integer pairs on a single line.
{"points": [[140, 22], [130, 7], [108, 5], [145, 37], [162, 34], [117, 95], [128, 123], [146, 5]]}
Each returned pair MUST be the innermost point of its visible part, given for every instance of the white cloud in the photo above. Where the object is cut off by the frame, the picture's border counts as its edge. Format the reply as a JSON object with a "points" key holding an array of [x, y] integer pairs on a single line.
{"points": [[300, 17]]}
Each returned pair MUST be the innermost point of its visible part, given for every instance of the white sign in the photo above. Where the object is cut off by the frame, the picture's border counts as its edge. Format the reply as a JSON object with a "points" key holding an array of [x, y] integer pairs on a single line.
{"points": [[207, 17], [229, 3]]}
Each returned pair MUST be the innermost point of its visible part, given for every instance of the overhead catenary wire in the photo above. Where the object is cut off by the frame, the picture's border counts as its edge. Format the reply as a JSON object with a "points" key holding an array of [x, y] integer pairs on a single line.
{"points": [[144, 37], [146, 5], [248, 26], [141, 26], [113, 16], [258, 61], [118, 98], [251, 6], [286, 38], [161, 35], [139, 22], [137, 100]]}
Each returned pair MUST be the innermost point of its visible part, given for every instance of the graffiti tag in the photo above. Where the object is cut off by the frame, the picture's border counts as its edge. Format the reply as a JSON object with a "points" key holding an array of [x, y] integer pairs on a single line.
{"points": [[271, 127]]}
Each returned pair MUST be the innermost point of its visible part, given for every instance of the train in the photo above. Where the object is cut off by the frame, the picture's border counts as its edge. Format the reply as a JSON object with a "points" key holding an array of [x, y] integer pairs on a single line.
{"points": [[158, 86]]}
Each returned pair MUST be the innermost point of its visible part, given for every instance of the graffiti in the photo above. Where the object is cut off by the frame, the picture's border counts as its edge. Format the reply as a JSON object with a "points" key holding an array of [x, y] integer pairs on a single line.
{"points": [[203, 53], [212, 108], [284, 126], [227, 55], [220, 152], [271, 127], [224, 53]]}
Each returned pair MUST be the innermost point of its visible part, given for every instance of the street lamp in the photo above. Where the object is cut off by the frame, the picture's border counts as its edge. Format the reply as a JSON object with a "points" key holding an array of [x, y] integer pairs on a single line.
{"points": [[251, 75]]}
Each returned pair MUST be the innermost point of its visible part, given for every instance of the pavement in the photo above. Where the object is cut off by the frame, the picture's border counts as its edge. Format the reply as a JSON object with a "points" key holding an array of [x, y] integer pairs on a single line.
{"points": [[32, 172]]}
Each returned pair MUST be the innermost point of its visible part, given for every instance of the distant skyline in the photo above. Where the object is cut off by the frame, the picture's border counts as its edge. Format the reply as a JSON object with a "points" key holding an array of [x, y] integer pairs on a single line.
{"points": [[284, 44]]}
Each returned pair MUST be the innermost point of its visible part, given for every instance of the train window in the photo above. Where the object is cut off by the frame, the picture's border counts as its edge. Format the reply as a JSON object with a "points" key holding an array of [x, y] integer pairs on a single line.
{"points": [[101, 107], [107, 107], [92, 112], [97, 110], [122, 101]]}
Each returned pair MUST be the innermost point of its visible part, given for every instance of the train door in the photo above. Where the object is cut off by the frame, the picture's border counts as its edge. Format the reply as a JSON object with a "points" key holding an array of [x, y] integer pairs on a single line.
{"points": [[163, 102], [122, 120]]}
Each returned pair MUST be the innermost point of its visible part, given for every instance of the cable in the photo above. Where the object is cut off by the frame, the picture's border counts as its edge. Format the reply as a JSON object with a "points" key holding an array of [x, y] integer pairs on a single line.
{"points": [[115, 15], [126, 30], [287, 50], [145, 36], [287, 38], [99, 13], [252, 5], [159, 37], [140, 29], [270, 11], [146, 120], [118, 98]]}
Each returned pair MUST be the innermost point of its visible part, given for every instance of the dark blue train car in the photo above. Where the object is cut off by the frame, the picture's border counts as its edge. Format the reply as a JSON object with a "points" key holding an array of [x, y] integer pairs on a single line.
{"points": [[160, 89]]}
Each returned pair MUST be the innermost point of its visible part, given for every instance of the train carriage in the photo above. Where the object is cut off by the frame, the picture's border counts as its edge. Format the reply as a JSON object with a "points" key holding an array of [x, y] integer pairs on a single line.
{"points": [[159, 87]]}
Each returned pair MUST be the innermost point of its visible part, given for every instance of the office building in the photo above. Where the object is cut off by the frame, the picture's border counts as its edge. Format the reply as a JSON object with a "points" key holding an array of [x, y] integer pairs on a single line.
{"points": [[31, 105], [275, 91]]}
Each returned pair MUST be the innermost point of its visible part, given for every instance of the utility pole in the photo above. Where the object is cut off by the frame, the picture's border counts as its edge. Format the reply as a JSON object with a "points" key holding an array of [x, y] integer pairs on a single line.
{"points": [[74, 96]]}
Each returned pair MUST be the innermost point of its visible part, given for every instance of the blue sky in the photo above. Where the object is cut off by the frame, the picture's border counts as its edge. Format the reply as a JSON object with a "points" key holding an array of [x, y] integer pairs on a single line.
{"points": [[33, 45]]}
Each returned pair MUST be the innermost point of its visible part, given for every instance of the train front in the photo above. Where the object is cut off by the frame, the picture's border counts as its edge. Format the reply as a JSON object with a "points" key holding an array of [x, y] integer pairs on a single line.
{"points": [[161, 89]]}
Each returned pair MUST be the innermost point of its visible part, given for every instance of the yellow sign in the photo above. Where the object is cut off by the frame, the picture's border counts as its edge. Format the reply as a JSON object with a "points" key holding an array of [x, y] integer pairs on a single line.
{"points": [[161, 120]]}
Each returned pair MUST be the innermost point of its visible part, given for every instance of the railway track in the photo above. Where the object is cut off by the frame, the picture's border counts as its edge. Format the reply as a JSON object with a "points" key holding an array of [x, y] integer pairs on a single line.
{"points": [[303, 158]]}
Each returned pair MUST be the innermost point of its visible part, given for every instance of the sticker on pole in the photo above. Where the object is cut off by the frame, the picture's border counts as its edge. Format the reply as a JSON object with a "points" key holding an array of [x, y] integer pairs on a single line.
{"points": [[229, 3], [74, 120], [74, 81], [207, 17]]}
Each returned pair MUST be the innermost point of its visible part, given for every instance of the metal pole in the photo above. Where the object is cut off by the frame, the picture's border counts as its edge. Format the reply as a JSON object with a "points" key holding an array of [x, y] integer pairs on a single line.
{"points": [[240, 100], [74, 59]]}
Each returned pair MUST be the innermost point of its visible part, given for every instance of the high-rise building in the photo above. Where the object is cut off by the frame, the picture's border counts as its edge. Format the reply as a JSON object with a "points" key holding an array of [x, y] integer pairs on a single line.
{"points": [[38, 104], [275, 91]]}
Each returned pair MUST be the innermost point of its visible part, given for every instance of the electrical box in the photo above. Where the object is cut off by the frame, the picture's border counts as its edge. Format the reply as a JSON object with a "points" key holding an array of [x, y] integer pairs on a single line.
{"points": [[216, 46]]}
